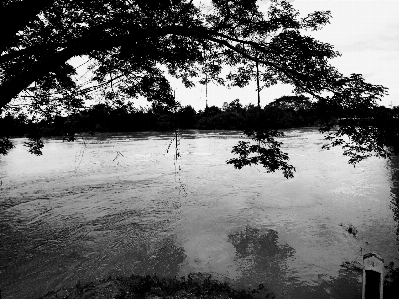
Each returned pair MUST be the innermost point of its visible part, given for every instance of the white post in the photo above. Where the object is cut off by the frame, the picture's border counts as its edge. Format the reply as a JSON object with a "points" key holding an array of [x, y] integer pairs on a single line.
{"points": [[373, 276]]}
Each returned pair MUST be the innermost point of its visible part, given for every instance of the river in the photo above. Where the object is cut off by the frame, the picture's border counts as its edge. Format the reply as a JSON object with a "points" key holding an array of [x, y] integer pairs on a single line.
{"points": [[121, 204]]}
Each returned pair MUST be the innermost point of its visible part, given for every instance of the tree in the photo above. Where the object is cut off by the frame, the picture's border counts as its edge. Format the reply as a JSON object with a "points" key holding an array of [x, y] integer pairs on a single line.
{"points": [[290, 111], [235, 106], [130, 45], [187, 117], [295, 103]]}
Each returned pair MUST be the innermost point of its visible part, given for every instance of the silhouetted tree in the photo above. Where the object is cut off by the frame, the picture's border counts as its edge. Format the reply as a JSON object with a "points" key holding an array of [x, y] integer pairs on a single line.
{"points": [[187, 117], [130, 44]]}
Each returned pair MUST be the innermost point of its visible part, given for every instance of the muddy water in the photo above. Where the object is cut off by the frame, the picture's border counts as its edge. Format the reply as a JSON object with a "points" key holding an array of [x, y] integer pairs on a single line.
{"points": [[120, 204]]}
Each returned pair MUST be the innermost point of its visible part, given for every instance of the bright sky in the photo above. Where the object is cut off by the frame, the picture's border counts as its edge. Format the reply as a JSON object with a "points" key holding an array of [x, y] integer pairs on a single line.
{"points": [[366, 32]]}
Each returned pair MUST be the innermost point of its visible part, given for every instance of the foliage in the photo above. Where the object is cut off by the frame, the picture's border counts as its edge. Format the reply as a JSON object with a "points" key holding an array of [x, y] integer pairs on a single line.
{"points": [[279, 114], [103, 118], [34, 144], [373, 132], [264, 150], [5, 145], [131, 48]]}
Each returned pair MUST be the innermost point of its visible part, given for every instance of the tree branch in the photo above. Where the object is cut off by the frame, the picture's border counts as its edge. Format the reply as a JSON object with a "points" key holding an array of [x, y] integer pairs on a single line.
{"points": [[16, 15], [102, 41]]}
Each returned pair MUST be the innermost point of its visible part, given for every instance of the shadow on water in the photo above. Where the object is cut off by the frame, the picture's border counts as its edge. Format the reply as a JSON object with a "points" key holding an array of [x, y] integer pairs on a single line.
{"points": [[260, 257], [255, 248], [263, 259], [346, 285]]}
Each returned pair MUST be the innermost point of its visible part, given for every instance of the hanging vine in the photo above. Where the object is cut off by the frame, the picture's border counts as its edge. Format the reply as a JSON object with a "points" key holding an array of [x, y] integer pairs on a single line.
{"points": [[177, 154]]}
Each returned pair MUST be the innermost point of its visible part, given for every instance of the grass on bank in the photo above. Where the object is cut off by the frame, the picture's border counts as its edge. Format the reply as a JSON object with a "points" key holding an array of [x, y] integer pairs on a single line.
{"points": [[151, 287], [194, 286]]}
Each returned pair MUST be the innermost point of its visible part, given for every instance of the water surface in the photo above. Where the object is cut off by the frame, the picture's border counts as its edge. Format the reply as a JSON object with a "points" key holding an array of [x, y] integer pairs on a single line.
{"points": [[120, 204]]}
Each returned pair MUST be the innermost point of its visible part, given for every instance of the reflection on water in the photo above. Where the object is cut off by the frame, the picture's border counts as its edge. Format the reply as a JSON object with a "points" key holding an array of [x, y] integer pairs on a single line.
{"points": [[260, 254], [82, 212], [256, 248]]}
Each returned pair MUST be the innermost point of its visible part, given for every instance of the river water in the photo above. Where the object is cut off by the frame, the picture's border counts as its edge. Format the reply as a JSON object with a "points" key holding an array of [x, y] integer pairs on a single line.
{"points": [[120, 204]]}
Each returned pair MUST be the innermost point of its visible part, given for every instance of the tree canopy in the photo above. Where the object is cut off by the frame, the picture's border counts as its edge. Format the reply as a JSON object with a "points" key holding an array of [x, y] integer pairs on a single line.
{"points": [[132, 47]]}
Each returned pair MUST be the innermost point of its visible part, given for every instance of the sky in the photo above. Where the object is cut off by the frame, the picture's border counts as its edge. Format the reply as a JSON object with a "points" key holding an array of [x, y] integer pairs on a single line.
{"points": [[365, 32]]}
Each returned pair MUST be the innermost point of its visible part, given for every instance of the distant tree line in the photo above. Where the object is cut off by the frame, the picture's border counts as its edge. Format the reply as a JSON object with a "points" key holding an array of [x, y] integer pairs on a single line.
{"points": [[284, 112]]}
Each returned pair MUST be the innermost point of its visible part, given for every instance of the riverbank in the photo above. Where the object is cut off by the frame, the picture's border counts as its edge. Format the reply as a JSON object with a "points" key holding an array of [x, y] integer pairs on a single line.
{"points": [[150, 287], [195, 286]]}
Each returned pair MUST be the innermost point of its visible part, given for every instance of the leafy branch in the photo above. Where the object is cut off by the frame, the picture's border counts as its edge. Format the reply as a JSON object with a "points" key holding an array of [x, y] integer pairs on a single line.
{"points": [[263, 149]]}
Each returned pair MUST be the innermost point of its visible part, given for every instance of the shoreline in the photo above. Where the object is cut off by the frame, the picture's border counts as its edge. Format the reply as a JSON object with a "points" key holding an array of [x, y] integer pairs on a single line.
{"points": [[195, 285]]}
